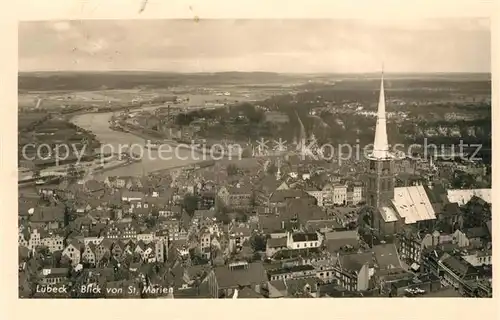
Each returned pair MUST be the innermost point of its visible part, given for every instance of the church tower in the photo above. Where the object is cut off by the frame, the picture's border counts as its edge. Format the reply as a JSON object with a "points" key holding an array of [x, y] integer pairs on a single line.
{"points": [[380, 184]]}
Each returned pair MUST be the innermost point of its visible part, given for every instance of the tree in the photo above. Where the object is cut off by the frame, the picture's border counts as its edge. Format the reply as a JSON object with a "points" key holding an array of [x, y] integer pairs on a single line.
{"points": [[365, 216], [65, 262], [221, 213], [190, 203], [463, 180], [151, 221], [258, 242], [476, 213], [43, 251]]}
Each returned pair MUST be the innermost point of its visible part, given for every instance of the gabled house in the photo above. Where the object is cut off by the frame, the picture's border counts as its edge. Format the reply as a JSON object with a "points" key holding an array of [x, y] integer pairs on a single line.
{"points": [[117, 250], [238, 235], [456, 272], [89, 254], [103, 250], [301, 240], [280, 198], [354, 271], [53, 241], [273, 245], [73, 251], [122, 230], [30, 238], [476, 237]]}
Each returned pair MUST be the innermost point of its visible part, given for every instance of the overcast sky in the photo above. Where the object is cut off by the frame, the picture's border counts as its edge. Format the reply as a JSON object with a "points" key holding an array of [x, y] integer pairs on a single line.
{"points": [[256, 45]]}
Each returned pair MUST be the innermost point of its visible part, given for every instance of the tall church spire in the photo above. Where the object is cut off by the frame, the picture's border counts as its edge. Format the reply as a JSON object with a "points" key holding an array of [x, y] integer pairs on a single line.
{"points": [[381, 145]]}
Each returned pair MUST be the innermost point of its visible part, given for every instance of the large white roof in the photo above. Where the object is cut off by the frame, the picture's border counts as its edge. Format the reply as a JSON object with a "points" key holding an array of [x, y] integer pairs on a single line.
{"points": [[412, 204], [463, 196]]}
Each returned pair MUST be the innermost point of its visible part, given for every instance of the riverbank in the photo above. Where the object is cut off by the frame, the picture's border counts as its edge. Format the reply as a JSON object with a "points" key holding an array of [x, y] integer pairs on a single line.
{"points": [[55, 174], [214, 151], [99, 125]]}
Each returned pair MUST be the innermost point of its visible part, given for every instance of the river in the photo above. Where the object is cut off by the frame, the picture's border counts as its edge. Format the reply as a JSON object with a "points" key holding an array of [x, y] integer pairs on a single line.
{"points": [[98, 123]]}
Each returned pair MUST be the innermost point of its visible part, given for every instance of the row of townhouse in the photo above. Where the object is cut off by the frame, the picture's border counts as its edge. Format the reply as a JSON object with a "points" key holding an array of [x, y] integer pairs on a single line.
{"points": [[93, 248], [337, 194]]}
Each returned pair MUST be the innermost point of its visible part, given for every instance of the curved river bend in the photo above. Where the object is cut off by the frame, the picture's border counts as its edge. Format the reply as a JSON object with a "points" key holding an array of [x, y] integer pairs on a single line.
{"points": [[98, 123]]}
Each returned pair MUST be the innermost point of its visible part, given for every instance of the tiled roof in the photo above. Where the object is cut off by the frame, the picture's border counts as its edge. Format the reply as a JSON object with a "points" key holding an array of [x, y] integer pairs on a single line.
{"points": [[270, 223], [335, 241], [276, 288], [283, 195], [458, 266], [252, 274], [25, 205], [48, 214], [436, 193], [301, 237], [292, 269], [247, 293], [354, 261], [295, 286], [450, 209], [352, 234], [386, 256], [319, 225], [276, 242], [303, 209], [477, 232]]}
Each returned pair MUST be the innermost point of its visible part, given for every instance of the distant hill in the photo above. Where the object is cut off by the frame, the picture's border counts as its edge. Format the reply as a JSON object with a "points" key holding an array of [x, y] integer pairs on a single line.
{"points": [[86, 81], [93, 80]]}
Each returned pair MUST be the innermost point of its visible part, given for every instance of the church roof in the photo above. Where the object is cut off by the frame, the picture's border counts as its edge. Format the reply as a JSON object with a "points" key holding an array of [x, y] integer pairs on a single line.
{"points": [[388, 213], [412, 204]]}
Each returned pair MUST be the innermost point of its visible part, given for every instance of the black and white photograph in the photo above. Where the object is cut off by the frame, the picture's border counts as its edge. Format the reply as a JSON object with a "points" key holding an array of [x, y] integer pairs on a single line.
{"points": [[254, 158]]}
